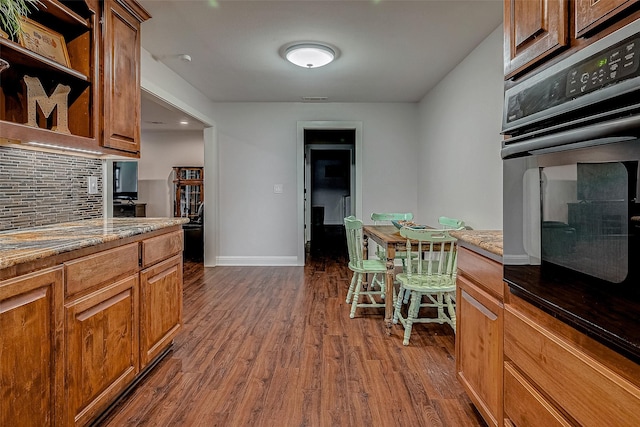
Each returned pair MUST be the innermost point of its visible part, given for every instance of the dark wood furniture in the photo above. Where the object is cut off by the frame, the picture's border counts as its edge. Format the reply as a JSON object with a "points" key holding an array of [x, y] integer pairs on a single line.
{"points": [[188, 184], [103, 75], [137, 210]]}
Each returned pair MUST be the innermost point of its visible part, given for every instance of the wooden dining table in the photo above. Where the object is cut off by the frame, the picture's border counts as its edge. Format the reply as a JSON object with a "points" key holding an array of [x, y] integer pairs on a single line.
{"points": [[388, 237]]}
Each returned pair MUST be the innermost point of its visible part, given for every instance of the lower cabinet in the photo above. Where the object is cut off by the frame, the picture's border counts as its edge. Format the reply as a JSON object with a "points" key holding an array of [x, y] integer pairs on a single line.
{"points": [[102, 348], [31, 353], [75, 336], [160, 307], [479, 312], [556, 376]]}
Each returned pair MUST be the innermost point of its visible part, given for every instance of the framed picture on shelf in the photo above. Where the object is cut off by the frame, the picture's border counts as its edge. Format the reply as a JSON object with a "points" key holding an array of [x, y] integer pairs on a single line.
{"points": [[41, 40]]}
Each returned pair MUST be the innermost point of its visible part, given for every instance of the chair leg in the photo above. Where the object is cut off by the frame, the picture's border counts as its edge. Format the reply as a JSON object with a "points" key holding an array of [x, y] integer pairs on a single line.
{"points": [[398, 305], [414, 307], [351, 288], [356, 296], [452, 311]]}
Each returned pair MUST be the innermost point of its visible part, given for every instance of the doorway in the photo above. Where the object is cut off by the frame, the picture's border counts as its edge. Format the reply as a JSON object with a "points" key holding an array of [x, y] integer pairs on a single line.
{"points": [[344, 137], [329, 185]]}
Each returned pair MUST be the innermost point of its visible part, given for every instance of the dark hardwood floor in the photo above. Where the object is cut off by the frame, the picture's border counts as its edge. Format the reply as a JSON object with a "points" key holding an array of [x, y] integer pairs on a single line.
{"points": [[274, 346]]}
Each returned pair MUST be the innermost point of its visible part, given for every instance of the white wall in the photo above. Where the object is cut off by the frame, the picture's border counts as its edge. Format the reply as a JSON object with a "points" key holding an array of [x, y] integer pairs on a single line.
{"points": [[460, 172], [161, 151], [257, 145]]}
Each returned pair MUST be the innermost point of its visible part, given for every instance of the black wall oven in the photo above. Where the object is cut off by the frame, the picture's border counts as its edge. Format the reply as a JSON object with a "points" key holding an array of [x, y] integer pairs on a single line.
{"points": [[571, 192]]}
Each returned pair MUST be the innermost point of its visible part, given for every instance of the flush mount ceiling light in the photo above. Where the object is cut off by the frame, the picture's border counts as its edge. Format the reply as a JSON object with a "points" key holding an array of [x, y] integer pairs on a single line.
{"points": [[309, 54]]}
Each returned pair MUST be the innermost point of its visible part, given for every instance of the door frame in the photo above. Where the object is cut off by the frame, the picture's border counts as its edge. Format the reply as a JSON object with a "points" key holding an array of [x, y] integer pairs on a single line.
{"points": [[356, 196]]}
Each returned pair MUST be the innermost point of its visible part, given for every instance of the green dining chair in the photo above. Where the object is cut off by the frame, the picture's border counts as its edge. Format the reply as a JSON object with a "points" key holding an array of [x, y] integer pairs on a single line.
{"points": [[451, 223], [360, 267], [431, 281], [380, 218]]}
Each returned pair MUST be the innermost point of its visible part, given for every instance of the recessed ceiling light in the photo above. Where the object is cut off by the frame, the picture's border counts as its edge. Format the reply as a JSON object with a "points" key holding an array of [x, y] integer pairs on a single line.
{"points": [[309, 54], [184, 122]]}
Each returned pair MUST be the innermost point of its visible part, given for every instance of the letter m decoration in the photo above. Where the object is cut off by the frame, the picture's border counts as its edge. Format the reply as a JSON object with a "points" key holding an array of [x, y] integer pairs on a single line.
{"points": [[36, 96]]}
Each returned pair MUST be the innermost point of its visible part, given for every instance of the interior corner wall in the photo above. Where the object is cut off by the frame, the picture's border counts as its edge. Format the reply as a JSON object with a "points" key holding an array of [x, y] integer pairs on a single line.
{"points": [[460, 172], [162, 150]]}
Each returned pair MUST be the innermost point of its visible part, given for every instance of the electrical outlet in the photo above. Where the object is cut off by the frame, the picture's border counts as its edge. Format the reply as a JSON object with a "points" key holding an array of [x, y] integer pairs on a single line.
{"points": [[92, 184], [277, 188]]}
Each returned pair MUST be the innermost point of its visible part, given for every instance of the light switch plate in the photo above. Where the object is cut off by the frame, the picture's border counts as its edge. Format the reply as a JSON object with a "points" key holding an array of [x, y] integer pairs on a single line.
{"points": [[92, 184], [277, 188]]}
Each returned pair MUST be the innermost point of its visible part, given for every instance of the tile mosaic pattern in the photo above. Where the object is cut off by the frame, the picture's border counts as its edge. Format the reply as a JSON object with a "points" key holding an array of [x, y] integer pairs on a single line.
{"points": [[38, 188], [30, 244]]}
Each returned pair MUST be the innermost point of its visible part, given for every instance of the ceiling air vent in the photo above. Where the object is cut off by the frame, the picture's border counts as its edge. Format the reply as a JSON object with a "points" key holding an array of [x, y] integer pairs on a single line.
{"points": [[314, 98]]}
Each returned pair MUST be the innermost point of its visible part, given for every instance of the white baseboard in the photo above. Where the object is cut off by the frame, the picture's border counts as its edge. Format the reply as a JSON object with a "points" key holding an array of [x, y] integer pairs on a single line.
{"points": [[257, 261]]}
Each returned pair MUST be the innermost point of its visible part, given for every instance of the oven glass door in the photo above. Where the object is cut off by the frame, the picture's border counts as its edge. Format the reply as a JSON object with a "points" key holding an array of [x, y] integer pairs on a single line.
{"points": [[571, 226]]}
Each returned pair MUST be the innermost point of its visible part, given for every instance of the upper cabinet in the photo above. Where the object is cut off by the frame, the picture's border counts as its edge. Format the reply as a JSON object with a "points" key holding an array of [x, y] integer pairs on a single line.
{"points": [[121, 75], [72, 80], [48, 86], [590, 14], [538, 31], [533, 30]]}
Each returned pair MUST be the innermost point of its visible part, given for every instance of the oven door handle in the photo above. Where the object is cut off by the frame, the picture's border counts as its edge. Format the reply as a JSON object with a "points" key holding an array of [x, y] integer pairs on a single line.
{"points": [[587, 136]]}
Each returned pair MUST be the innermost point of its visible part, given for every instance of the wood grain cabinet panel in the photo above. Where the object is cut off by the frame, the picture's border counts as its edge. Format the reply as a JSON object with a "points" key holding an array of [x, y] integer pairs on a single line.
{"points": [[479, 331], [121, 75], [31, 333], [161, 247], [102, 348], [160, 307], [479, 348], [590, 14], [533, 30], [525, 406], [86, 273], [585, 388]]}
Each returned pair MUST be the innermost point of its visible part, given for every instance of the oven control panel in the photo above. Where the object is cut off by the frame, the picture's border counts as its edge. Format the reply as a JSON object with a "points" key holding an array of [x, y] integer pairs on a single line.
{"points": [[600, 72], [615, 64]]}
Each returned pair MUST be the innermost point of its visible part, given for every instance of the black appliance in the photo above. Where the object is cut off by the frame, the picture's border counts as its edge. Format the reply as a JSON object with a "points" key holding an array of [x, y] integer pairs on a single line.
{"points": [[571, 202]]}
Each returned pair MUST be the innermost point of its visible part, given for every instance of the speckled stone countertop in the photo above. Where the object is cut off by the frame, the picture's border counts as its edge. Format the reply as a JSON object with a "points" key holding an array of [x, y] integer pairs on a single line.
{"points": [[30, 244], [484, 240]]}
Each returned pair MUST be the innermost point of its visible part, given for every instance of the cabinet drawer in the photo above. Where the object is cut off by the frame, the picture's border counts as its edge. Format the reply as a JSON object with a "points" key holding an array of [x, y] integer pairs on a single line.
{"points": [[483, 271], [525, 406], [563, 372], [93, 270], [161, 247]]}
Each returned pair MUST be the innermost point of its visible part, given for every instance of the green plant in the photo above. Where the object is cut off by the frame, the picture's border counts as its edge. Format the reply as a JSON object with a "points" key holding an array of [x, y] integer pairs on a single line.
{"points": [[12, 10]]}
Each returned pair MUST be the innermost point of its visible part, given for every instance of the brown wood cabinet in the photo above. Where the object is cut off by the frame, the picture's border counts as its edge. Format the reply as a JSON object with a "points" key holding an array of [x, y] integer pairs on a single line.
{"points": [[590, 14], [121, 75], [537, 32], [533, 30], [102, 75], [479, 312], [160, 307], [554, 375], [71, 346], [102, 348], [31, 349]]}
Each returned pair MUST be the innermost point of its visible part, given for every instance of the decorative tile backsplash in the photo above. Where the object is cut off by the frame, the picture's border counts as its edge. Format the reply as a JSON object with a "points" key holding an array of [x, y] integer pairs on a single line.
{"points": [[38, 188]]}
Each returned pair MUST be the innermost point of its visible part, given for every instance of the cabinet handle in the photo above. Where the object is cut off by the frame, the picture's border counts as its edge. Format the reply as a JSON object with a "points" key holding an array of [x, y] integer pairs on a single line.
{"points": [[474, 302]]}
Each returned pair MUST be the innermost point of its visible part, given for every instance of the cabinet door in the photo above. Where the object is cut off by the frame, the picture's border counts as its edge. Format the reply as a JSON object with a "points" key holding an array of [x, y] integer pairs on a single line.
{"points": [[533, 30], [589, 13], [102, 348], [30, 349], [160, 307], [479, 349], [121, 57]]}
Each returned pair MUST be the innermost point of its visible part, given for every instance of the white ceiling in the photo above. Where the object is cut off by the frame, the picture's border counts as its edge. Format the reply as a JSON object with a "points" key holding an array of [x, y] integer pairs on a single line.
{"points": [[390, 50]]}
